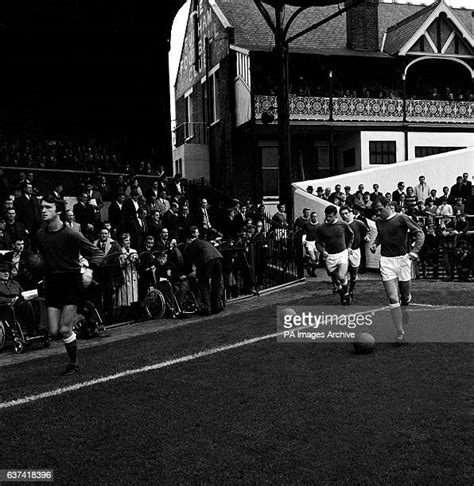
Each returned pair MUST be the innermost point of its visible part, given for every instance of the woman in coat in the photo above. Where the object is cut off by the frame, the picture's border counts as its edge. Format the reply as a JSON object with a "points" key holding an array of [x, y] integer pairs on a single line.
{"points": [[127, 293]]}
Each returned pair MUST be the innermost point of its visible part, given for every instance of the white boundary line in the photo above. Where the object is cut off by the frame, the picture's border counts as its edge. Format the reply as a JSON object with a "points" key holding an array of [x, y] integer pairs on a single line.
{"points": [[116, 376]]}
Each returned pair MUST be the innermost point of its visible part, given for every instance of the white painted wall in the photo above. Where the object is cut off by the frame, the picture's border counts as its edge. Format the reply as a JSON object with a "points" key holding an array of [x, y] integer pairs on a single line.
{"points": [[195, 160], [440, 170]]}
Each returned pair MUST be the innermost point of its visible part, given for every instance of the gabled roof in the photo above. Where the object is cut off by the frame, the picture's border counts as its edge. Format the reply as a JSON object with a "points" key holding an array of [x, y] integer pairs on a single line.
{"points": [[401, 37], [251, 31], [399, 34]]}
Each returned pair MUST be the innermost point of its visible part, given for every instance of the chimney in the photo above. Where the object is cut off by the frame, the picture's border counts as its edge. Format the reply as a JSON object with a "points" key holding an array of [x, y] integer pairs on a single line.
{"points": [[362, 25]]}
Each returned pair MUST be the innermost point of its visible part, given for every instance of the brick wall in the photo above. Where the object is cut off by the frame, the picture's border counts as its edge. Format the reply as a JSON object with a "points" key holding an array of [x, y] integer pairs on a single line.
{"points": [[363, 26]]}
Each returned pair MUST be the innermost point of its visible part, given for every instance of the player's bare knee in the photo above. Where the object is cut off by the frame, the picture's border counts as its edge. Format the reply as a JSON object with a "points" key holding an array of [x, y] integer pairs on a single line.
{"points": [[65, 331]]}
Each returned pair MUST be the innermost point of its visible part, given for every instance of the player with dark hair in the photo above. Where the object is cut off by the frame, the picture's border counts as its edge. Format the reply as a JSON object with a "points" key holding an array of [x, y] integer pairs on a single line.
{"points": [[396, 257], [360, 231], [61, 248], [334, 240]]}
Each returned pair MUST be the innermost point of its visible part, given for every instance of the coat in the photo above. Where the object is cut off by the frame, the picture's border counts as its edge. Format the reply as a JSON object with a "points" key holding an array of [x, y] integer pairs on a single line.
{"points": [[28, 212]]}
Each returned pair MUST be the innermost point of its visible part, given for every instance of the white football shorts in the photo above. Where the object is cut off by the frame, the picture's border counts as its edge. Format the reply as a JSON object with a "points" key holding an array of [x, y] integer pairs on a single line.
{"points": [[395, 267]]}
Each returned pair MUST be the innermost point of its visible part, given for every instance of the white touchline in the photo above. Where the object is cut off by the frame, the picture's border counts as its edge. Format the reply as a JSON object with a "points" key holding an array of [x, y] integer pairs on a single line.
{"points": [[122, 374]]}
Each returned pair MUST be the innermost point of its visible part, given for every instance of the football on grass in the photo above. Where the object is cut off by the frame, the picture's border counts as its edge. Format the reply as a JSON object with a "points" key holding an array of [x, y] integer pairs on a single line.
{"points": [[364, 343]]}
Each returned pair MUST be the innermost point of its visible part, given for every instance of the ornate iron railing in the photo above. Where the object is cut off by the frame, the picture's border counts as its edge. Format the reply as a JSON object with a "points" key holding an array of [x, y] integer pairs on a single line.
{"points": [[311, 108]]}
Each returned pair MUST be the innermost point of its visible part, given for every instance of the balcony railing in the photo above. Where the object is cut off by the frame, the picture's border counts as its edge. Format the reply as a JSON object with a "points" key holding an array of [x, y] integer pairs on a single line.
{"points": [[190, 132], [311, 108]]}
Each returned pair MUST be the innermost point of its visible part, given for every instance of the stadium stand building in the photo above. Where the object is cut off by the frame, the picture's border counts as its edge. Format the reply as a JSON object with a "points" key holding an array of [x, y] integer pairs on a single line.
{"points": [[382, 84]]}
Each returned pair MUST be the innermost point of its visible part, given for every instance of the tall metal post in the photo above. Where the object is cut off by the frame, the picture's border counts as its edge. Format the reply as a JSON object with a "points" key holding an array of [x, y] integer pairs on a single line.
{"points": [[284, 141]]}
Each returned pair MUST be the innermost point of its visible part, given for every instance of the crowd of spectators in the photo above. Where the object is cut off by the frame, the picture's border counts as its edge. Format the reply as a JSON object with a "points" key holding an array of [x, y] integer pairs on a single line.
{"points": [[141, 227], [444, 217], [30, 149], [423, 91]]}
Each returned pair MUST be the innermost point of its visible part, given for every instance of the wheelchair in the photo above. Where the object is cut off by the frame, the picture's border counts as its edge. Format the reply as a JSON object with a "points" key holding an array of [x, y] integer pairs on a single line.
{"points": [[12, 332], [161, 300]]}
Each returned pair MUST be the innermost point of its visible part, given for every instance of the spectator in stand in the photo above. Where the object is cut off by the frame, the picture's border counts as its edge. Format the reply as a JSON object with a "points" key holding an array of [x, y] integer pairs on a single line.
{"points": [[444, 197], [138, 229], [458, 190], [229, 226], [336, 196], [17, 259], [3, 186], [359, 194], [95, 200], [421, 190], [320, 192], [448, 243], [410, 200], [103, 188], [350, 198], [398, 192], [310, 189], [445, 209], [14, 228], [5, 241], [429, 254], [162, 202], [175, 189], [28, 211], [154, 224], [84, 214], [432, 197], [458, 206], [327, 194], [467, 186], [388, 197], [431, 209], [419, 211], [154, 192], [134, 187], [70, 221], [163, 241], [185, 221], [127, 293], [130, 207], [58, 191], [400, 206], [203, 221], [116, 214], [170, 220], [376, 193]]}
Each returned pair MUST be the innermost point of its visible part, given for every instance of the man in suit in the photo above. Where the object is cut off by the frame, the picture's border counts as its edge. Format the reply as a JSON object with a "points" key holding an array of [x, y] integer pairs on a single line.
{"points": [[432, 197], [162, 202], [28, 210], [17, 258], [208, 262], [203, 221], [170, 220], [130, 207], [398, 192], [71, 221], [95, 200], [154, 224], [84, 213], [106, 243], [14, 228], [116, 216], [138, 229], [153, 192], [174, 187]]}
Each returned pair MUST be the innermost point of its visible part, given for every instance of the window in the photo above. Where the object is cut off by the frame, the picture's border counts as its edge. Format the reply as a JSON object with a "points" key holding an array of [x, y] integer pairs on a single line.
{"points": [[383, 152], [322, 158], [188, 115], [349, 158], [425, 151], [270, 173], [178, 166], [214, 92]]}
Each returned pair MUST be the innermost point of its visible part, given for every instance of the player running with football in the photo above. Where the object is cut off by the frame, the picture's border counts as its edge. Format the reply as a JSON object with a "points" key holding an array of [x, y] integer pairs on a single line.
{"points": [[396, 257], [360, 231], [334, 240], [61, 248]]}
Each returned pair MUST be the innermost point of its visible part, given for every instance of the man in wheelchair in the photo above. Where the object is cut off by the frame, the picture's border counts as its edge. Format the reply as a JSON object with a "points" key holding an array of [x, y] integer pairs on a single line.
{"points": [[169, 278], [11, 299]]}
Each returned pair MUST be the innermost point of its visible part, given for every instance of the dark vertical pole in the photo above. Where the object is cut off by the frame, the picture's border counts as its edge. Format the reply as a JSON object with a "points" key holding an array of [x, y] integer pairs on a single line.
{"points": [[210, 144], [404, 82], [284, 144], [331, 106]]}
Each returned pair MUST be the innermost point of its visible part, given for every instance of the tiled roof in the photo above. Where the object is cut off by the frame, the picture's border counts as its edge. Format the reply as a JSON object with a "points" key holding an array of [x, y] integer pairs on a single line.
{"points": [[399, 34], [252, 32]]}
